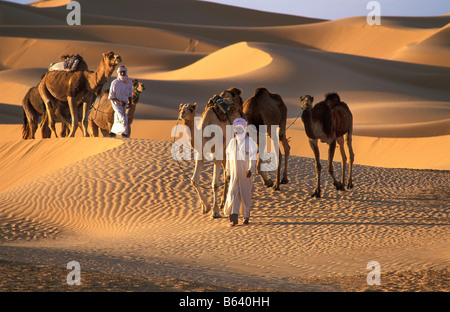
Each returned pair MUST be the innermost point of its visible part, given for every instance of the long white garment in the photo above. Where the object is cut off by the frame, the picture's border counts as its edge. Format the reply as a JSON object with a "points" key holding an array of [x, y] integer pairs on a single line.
{"points": [[120, 125], [121, 89], [241, 156]]}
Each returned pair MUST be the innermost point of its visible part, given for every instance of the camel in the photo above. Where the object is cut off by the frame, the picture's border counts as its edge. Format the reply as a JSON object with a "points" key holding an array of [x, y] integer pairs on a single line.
{"points": [[34, 107], [329, 121], [187, 115], [75, 88], [214, 115], [101, 116], [265, 108]]}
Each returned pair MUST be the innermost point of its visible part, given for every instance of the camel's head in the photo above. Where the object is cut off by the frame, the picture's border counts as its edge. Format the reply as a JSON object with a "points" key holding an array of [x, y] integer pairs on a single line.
{"points": [[138, 86], [233, 94], [307, 101], [187, 111], [112, 59]]}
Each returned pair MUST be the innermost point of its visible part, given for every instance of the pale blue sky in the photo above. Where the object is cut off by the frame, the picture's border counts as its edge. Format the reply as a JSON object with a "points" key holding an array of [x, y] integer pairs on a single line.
{"points": [[332, 9]]}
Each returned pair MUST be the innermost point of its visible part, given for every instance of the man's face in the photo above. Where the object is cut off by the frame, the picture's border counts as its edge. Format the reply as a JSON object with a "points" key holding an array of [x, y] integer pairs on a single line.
{"points": [[123, 73], [239, 129]]}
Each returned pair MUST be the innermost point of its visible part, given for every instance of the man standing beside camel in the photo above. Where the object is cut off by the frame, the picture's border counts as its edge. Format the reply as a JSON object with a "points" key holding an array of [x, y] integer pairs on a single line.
{"points": [[120, 94], [241, 160]]}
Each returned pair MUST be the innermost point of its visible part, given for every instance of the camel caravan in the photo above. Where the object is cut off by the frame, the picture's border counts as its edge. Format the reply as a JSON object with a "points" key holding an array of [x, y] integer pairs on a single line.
{"points": [[71, 93], [329, 121]]}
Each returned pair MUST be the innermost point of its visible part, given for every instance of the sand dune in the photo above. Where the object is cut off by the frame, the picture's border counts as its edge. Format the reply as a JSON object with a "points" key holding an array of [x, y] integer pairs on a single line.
{"points": [[145, 205], [126, 206]]}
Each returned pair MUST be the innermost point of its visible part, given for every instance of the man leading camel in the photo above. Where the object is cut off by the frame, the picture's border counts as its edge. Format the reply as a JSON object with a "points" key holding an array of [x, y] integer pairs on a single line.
{"points": [[241, 160], [120, 94]]}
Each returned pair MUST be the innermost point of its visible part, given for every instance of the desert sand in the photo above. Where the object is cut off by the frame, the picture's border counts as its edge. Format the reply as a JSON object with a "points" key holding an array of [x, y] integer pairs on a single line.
{"points": [[125, 207]]}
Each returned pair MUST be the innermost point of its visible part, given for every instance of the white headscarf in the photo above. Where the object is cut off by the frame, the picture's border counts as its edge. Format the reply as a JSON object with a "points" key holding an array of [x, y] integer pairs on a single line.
{"points": [[123, 78]]}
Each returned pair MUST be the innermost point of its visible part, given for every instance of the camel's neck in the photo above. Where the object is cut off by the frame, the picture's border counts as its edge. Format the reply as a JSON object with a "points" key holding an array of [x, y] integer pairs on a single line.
{"points": [[307, 121], [132, 109], [190, 125], [100, 76]]}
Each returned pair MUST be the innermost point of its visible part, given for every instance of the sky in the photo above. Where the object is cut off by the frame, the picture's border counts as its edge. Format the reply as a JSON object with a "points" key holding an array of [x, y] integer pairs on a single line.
{"points": [[334, 9]]}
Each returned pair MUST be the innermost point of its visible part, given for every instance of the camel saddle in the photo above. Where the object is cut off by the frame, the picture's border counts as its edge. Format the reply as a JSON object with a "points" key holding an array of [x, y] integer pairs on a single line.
{"points": [[69, 64], [221, 107]]}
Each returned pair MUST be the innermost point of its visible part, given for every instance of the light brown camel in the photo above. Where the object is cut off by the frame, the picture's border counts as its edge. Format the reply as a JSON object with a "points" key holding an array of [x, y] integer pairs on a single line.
{"points": [[34, 107], [187, 115], [214, 115], [329, 121], [75, 88], [265, 108], [101, 117]]}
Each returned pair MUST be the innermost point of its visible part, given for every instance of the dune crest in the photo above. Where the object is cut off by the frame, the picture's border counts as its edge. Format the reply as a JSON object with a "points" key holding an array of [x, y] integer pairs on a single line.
{"points": [[235, 60]]}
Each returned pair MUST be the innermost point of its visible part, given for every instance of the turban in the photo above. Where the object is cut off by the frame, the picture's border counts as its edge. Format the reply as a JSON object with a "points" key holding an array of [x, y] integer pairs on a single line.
{"points": [[240, 122]]}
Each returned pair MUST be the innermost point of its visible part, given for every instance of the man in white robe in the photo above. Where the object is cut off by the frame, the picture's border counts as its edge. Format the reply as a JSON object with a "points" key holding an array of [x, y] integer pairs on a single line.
{"points": [[120, 94], [241, 157]]}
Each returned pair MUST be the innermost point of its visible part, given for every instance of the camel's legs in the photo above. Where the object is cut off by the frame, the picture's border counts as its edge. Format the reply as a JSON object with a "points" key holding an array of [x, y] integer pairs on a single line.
{"points": [[195, 179], [74, 113], [215, 186], [352, 158], [287, 151], [262, 148], [31, 125], [315, 148], [277, 182], [46, 97], [46, 132], [225, 188], [84, 123], [331, 150], [340, 142], [92, 129]]}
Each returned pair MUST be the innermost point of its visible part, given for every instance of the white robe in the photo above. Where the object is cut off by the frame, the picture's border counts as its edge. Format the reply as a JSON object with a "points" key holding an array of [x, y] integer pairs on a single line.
{"points": [[240, 158], [121, 91]]}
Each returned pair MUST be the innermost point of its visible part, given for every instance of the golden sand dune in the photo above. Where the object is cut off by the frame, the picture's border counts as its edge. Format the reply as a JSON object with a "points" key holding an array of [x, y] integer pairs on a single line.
{"points": [[25, 160], [217, 65], [126, 206]]}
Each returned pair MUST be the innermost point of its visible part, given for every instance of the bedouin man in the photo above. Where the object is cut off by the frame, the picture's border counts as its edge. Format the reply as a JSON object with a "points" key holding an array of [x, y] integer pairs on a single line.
{"points": [[241, 157], [120, 94]]}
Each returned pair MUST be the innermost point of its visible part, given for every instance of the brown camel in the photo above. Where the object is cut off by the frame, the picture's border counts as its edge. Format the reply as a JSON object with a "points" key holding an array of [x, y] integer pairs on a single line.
{"points": [[75, 88], [34, 107], [187, 115], [329, 121], [101, 116], [265, 108], [214, 114]]}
